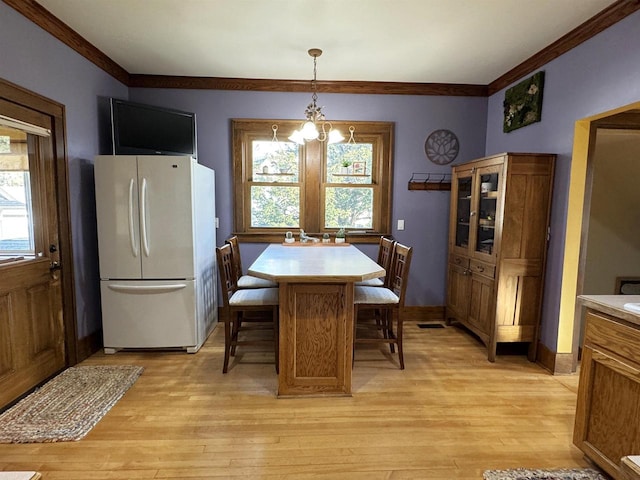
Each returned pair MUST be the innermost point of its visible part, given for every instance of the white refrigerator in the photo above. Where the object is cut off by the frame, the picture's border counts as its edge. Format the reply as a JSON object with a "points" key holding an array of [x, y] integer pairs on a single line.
{"points": [[156, 243]]}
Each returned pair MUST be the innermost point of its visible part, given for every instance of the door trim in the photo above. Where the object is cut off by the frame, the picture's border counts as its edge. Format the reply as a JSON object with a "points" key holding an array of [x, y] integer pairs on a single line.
{"points": [[38, 104]]}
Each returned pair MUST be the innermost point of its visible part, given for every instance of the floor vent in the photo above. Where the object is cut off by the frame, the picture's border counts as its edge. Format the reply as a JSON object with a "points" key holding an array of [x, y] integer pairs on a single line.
{"points": [[430, 325]]}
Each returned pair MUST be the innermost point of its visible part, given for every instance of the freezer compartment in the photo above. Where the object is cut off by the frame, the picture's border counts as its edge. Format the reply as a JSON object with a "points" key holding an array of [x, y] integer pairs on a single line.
{"points": [[150, 314]]}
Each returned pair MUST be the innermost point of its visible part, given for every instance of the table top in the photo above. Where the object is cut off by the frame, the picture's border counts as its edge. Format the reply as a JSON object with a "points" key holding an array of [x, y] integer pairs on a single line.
{"points": [[613, 305], [282, 263]]}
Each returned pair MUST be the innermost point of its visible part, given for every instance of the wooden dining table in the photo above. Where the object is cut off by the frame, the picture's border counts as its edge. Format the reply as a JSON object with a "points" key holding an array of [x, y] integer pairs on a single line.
{"points": [[316, 313]]}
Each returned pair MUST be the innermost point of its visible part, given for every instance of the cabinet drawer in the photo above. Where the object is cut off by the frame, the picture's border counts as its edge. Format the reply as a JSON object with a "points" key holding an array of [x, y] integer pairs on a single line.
{"points": [[483, 268], [459, 260], [606, 332]]}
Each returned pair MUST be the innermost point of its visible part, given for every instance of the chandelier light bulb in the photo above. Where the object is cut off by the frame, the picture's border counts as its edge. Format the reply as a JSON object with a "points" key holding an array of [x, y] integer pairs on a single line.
{"points": [[309, 131], [335, 136], [297, 137]]}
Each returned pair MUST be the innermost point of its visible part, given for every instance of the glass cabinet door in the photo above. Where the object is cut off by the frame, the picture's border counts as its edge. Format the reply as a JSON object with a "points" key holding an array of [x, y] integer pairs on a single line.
{"points": [[487, 182], [463, 211]]}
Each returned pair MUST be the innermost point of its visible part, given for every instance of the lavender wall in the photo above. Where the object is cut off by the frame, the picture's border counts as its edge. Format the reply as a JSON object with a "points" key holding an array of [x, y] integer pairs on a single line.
{"points": [[599, 75], [33, 59], [425, 213]]}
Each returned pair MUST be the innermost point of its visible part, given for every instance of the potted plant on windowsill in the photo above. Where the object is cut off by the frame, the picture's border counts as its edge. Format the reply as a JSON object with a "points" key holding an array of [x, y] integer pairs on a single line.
{"points": [[344, 169], [340, 236]]}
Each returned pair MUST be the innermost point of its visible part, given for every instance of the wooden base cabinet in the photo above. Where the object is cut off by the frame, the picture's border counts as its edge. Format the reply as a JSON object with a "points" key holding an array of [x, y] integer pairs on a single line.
{"points": [[607, 424], [498, 234]]}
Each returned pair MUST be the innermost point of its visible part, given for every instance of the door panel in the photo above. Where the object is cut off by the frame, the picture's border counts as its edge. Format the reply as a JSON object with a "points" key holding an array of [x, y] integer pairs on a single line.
{"points": [[166, 216], [481, 305], [457, 292], [33, 349], [117, 215]]}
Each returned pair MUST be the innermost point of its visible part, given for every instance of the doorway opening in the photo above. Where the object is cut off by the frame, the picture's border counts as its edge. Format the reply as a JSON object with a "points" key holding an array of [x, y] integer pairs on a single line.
{"points": [[583, 166]]}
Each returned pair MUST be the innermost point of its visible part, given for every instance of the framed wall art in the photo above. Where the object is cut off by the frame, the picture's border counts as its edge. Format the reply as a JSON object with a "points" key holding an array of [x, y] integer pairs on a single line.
{"points": [[442, 147], [359, 168], [523, 103]]}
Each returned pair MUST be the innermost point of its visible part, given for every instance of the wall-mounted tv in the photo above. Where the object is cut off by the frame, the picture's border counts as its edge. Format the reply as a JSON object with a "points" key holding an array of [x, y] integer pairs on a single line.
{"points": [[139, 129]]}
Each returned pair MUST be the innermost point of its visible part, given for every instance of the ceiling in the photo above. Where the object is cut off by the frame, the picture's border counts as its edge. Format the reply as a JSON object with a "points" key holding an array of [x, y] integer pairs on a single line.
{"points": [[423, 41]]}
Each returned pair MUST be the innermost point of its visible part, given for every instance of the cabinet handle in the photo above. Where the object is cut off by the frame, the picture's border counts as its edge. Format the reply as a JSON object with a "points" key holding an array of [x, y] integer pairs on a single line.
{"points": [[458, 261], [480, 268], [466, 272], [472, 214]]}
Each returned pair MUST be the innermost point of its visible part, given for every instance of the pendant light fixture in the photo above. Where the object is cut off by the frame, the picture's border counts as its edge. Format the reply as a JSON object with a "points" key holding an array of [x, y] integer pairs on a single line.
{"points": [[315, 126]]}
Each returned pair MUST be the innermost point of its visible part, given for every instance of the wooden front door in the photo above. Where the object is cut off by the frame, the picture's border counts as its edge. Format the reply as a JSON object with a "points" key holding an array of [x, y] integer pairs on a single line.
{"points": [[32, 327]]}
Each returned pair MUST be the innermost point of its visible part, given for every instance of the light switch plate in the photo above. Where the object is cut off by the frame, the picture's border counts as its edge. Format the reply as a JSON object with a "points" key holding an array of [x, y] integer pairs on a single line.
{"points": [[400, 224]]}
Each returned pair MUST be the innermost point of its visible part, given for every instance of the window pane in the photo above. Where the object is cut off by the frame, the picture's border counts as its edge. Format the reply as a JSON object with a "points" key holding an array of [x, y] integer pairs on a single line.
{"points": [[349, 163], [16, 218], [277, 207], [275, 161], [348, 207], [4, 144]]}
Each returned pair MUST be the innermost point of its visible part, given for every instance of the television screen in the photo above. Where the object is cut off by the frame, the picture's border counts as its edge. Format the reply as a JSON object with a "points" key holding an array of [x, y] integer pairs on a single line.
{"points": [[139, 129]]}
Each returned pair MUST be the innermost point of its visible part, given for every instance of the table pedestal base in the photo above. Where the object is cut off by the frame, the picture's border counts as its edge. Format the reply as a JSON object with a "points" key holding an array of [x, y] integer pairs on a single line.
{"points": [[316, 339]]}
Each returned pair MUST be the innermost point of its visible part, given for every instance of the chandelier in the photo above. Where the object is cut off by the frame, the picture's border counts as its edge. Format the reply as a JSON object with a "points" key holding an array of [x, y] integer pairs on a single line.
{"points": [[315, 126]]}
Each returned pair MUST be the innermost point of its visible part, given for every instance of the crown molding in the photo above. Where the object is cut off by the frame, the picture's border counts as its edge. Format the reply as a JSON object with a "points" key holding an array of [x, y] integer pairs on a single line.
{"points": [[51, 24], [596, 24]]}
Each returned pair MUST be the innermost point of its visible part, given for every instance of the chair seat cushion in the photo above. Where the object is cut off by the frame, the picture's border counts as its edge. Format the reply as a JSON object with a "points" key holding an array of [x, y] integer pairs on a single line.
{"points": [[254, 296], [249, 281], [373, 282], [374, 296]]}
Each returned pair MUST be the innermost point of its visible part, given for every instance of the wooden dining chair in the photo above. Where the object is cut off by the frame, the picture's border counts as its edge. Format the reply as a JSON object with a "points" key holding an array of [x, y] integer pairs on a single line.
{"points": [[246, 281], [385, 305], [386, 248], [244, 310]]}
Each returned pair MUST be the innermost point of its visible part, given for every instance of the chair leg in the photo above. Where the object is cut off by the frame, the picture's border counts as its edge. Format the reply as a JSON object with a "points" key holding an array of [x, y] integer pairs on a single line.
{"points": [[276, 339], [355, 324], [399, 339], [388, 329], [227, 343], [237, 324]]}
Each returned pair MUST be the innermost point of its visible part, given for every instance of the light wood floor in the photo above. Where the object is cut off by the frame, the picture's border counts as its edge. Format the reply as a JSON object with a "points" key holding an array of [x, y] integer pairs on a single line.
{"points": [[450, 415]]}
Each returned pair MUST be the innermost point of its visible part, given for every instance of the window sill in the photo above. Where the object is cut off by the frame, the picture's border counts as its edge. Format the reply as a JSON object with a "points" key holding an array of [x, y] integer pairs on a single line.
{"points": [[279, 237]]}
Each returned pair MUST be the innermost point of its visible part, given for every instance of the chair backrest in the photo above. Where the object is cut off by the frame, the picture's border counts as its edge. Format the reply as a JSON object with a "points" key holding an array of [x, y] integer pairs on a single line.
{"points": [[235, 247], [400, 271], [385, 254], [227, 272]]}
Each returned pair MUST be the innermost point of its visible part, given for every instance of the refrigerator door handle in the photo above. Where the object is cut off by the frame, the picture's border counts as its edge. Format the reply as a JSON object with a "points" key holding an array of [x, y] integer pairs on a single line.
{"points": [[145, 237], [147, 288], [132, 233]]}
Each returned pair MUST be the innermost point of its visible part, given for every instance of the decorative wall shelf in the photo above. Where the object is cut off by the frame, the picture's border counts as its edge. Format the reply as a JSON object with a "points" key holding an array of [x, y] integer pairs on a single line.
{"points": [[430, 181], [274, 174]]}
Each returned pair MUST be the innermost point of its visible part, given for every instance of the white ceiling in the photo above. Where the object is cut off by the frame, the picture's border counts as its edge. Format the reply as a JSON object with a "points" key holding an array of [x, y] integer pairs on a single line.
{"points": [[425, 41]]}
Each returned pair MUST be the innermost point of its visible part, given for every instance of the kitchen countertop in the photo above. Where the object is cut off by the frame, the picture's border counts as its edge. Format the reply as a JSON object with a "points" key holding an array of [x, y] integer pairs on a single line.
{"points": [[613, 305]]}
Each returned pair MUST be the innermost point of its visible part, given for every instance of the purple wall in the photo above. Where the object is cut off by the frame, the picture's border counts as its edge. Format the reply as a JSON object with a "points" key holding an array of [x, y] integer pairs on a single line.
{"points": [[33, 59], [599, 75], [425, 213]]}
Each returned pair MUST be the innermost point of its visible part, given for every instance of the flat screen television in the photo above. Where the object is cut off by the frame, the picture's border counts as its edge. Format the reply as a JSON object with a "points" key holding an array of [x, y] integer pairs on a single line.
{"points": [[139, 129]]}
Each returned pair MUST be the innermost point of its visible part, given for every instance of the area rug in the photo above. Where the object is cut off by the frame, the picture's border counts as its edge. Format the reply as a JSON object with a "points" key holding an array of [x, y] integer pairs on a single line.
{"points": [[558, 474], [68, 406]]}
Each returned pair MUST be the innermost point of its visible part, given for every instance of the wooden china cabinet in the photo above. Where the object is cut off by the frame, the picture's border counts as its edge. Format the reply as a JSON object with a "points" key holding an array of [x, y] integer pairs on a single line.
{"points": [[498, 232]]}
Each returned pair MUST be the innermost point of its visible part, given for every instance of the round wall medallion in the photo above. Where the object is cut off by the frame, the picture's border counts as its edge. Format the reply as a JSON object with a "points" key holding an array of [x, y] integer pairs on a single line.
{"points": [[442, 147]]}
